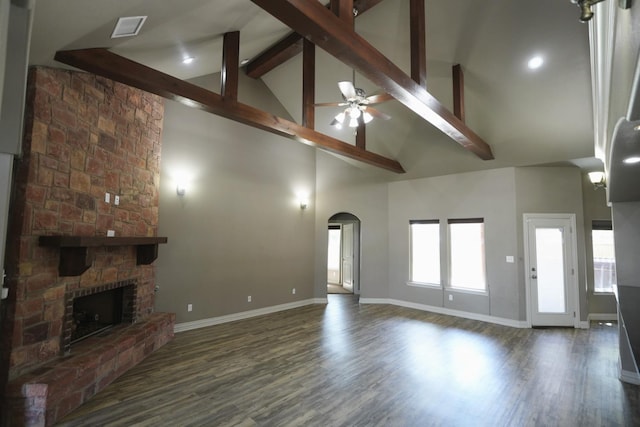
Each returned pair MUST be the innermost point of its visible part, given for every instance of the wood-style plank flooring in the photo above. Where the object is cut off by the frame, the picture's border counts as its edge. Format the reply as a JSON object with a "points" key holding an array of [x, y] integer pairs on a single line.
{"points": [[345, 364]]}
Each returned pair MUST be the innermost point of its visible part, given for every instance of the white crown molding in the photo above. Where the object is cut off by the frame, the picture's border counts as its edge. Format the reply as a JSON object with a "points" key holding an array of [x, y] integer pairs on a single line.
{"points": [[601, 44]]}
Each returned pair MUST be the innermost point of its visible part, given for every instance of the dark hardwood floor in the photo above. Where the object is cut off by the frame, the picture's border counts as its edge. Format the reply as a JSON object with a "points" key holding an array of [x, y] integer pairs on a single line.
{"points": [[346, 364]]}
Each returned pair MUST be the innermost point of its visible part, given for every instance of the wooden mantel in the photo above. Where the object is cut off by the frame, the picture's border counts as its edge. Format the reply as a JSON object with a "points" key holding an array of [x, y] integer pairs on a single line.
{"points": [[73, 250]]}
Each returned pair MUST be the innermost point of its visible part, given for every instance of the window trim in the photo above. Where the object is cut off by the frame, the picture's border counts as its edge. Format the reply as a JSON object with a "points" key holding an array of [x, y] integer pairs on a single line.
{"points": [[450, 286], [603, 225], [415, 282]]}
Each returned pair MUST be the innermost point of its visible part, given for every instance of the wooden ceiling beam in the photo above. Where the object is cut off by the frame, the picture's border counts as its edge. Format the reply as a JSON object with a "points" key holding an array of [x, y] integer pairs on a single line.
{"points": [[290, 46], [343, 9], [328, 32], [417, 27], [229, 74], [458, 91], [107, 64], [308, 84], [361, 133]]}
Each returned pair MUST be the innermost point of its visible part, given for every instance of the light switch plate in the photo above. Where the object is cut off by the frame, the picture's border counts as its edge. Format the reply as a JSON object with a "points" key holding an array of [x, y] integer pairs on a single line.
{"points": [[510, 259]]}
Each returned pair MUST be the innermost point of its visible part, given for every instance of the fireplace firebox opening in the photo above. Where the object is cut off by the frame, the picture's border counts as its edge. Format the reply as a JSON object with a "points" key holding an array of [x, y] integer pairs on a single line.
{"points": [[92, 311]]}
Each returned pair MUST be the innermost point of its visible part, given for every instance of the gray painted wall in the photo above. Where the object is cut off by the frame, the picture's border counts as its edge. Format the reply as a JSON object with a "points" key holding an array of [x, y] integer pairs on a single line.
{"points": [[345, 188], [500, 196], [486, 194], [239, 229], [551, 190]]}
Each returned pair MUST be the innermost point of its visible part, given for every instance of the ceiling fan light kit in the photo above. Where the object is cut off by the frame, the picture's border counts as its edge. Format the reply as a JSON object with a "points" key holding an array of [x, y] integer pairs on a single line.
{"points": [[357, 103]]}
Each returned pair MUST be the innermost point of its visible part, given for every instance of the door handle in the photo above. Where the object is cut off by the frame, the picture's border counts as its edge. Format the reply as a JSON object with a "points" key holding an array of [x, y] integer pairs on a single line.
{"points": [[533, 276]]}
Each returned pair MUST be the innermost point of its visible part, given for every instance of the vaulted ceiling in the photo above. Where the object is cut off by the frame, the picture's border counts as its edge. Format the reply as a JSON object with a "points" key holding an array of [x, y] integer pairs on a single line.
{"points": [[528, 117]]}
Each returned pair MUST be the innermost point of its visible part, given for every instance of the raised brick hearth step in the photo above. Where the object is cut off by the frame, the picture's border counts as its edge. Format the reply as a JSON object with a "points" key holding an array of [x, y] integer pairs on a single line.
{"points": [[47, 394]]}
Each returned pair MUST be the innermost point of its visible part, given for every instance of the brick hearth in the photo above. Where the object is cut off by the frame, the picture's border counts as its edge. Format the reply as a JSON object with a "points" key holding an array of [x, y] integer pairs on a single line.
{"points": [[53, 390], [84, 136]]}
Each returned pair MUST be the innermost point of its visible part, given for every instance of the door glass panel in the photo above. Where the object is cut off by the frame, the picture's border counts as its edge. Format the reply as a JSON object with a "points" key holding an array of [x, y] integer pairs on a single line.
{"points": [[550, 270]]}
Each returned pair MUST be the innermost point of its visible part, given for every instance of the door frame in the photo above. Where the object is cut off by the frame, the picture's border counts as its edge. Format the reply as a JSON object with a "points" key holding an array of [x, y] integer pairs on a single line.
{"points": [[342, 255], [349, 218], [335, 224], [573, 285]]}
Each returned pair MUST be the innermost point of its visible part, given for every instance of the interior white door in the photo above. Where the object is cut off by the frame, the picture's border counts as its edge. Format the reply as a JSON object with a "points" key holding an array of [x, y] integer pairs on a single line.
{"points": [[550, 268], [334, 257], [347, 256]]}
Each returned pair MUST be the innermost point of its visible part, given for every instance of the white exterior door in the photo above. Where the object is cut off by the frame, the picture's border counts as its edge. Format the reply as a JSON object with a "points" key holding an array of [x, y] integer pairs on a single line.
{"points": [[550, 263], [347, 256]]}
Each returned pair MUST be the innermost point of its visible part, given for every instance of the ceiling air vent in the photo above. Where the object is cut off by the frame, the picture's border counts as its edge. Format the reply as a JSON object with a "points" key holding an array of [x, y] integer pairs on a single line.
{"points": [[128, 26]]}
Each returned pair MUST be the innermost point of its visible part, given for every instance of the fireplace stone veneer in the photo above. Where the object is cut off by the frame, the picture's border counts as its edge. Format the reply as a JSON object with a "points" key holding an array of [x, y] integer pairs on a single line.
{"points": [[84, 136]]}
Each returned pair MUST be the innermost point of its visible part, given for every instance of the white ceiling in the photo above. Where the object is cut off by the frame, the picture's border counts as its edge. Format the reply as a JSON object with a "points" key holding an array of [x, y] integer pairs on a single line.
{"points": [[527, 117]]}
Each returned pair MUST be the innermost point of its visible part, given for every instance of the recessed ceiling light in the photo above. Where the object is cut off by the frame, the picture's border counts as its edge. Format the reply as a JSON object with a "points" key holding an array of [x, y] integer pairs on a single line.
{"points": [[631, 160], [245, 61], [188, 60], [128, 26], [535, 62]]}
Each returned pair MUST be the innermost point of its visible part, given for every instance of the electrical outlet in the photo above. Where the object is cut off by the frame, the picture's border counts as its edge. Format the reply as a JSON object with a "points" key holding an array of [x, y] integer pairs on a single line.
{"points": [[450, 297], [111, 233], [510, 259], [107, 198], [116, 200], [189, 307], [293, 291], [249, 298]]}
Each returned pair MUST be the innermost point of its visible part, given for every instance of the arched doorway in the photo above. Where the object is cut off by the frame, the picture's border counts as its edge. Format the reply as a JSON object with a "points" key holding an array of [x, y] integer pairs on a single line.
{"points": [[343, 254]]}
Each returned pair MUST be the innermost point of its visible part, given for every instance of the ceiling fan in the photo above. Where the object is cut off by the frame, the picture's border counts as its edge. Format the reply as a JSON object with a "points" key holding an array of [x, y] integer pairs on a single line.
{"points": [[358, 106]]}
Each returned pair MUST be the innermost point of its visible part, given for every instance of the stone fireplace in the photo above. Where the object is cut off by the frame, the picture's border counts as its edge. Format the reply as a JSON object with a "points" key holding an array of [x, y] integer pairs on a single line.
{"points": [[84, 136]]}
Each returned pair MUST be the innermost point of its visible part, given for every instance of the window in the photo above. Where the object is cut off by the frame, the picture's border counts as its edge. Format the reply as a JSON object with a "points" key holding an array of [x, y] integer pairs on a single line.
{"points": [[425, 251], [466, 254], [604, 260]]}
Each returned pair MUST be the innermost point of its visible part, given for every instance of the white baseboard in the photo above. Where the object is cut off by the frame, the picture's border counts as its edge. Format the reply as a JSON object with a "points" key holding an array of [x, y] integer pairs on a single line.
{"points": [[447, 311], [605, 317], [583, 324], [203, 323], [629, 377]]}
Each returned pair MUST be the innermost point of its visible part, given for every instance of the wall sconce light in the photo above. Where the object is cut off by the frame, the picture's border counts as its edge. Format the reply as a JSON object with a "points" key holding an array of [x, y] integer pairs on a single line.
{"points": [[304, 203], [597, 179], [181, 189]]}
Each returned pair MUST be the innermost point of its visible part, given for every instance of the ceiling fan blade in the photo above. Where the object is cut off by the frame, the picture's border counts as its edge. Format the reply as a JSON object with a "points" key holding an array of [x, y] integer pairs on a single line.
{"points": [[347, 89], [377, 113], [331, 104], [377, 98]]}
